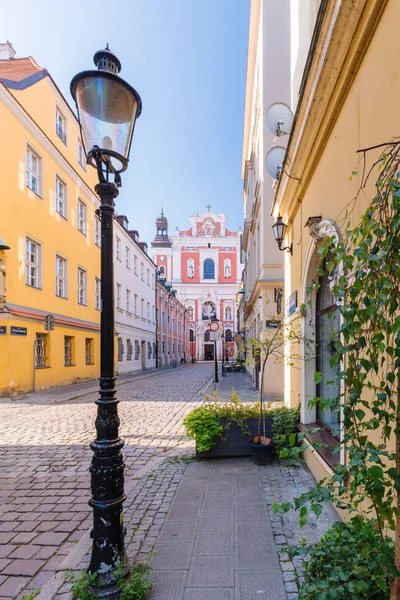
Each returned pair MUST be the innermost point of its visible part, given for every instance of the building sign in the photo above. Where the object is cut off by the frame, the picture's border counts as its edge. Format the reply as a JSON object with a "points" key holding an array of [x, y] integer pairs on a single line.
{"points": [[190, 248], [227, 249], [3, 329], [272, 324], [19, 330], [214, 336], [292, 305]]}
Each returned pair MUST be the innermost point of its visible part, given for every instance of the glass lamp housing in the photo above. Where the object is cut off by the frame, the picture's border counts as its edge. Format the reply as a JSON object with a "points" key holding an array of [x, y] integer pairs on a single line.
{"points": [[107, 110], [279, 229]]}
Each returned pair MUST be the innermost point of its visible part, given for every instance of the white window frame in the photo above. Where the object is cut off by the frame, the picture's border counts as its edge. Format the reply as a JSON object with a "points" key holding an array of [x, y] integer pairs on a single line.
{"points": [[61, 199], [118, 248], [142, 308], [61, 125], [82, 286], [128, 257], [128, 301], [61, 278], [135, 304], [33, 267], [135, 262], [33, 173], [153, 279], [148, 311], [97, 293], [142, 271], [82, 216], [81, 155], [148, 277], [118, 299], [97, 231]]}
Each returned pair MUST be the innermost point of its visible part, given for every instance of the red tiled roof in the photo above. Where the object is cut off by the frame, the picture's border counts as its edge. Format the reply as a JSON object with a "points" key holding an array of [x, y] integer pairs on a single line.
{"points": [[18, 69]]}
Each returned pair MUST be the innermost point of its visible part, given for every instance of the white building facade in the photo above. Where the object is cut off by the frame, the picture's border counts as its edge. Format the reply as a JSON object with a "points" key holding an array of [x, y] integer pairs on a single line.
{"points": [[202, 263], [135, 300]]}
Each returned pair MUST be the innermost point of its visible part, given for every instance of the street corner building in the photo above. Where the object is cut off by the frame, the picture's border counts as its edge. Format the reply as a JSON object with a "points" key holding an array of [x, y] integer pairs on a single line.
{"points": [[50, 235], [341, 80], [202, 264]]}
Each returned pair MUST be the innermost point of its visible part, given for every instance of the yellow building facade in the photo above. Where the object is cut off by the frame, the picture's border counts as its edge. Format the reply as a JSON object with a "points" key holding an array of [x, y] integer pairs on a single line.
{"points": [[347, 101], [51, 254]]}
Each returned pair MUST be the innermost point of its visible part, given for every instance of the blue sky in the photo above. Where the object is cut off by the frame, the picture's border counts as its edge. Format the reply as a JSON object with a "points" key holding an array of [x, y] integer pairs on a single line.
{"points": [[187, 60]]}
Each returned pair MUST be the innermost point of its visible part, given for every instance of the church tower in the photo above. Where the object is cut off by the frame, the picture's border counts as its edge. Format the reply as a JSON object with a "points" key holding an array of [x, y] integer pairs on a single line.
{"points": [[161, 239]]}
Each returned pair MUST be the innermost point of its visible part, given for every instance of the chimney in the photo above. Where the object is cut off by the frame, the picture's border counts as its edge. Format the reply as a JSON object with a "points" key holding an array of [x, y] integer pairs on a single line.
{"points": [[6, 51]]}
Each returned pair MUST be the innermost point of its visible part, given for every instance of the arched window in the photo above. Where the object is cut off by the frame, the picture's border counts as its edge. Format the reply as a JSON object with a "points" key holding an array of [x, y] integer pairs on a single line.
{"points": [[190, 268], [209, 269], [159, 231], [161, 270], [164, 231], [191, 335], [209, 311], [228, 335], [227, 267], [190, 312], [207, 336], [327, 329], [228, 314]]}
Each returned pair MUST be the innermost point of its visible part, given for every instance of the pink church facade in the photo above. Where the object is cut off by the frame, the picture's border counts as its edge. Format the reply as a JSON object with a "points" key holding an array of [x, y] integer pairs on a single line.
{"points": [[202, 263]]}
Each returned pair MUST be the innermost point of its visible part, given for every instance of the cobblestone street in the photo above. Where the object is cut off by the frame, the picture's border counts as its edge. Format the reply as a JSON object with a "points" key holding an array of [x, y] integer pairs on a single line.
{"points": [[192, 521], [44, 482]]}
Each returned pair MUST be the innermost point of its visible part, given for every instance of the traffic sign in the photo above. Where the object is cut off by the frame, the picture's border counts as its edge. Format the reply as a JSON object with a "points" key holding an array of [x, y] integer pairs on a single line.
{"points": [[214, 336], [214, 325]]}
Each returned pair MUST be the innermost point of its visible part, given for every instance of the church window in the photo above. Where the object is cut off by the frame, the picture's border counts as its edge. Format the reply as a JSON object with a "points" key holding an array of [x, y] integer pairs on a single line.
{"points": [[209, 269], [161, 270], [164, 231], [191, 333], [190, 268], [227, 267], [207, 336], [228, 313], [228, 335]]}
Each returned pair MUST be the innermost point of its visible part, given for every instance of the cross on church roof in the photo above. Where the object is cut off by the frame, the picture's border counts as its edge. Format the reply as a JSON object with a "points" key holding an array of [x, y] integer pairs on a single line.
{"points": [[208, 206]]}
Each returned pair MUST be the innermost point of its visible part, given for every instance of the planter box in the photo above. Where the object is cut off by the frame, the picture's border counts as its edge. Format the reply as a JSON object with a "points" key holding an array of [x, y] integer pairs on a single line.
{"points": [[237, 443]]}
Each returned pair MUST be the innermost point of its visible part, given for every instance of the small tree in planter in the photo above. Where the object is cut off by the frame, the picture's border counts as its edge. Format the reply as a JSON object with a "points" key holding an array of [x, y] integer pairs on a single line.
{"points": [[275, 345]]}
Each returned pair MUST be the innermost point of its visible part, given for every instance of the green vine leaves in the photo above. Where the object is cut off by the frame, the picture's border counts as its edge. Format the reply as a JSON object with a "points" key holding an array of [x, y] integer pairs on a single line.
{"points": [[366, 357]]}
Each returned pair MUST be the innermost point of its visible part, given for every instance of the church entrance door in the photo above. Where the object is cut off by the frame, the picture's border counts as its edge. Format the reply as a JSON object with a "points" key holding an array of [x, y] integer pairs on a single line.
{"points": [[208, 351]]}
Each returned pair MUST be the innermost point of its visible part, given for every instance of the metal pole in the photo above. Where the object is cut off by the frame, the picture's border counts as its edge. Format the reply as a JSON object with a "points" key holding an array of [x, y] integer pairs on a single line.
{"points": [[107, 468], [155, 279], [216, 380]]}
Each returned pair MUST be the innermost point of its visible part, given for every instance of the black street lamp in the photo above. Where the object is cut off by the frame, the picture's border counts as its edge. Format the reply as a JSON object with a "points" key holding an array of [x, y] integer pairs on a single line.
{"points": [[279, 228], [216, 380], [107, 110], [223, 353]]}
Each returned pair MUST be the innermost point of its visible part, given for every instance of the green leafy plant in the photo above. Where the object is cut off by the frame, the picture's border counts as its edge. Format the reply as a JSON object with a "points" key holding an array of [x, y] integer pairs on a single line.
{"points": [[32, 595], [284, 428], [136, 587], [365, 272], [204, 422], [350, 561]]}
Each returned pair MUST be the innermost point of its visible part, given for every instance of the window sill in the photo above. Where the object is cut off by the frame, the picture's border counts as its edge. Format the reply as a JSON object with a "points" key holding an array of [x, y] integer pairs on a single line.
{"points": [[44, 367], [324, 436], [120, 310], [33, 192], [61, 215], [82, 304], [82, 232], [70, 365], [89, 364], [129, 313], [62, 297]]}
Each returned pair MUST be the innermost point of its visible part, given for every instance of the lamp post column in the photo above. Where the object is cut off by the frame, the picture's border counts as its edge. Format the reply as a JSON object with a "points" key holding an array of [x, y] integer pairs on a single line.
{"points": [[107, 468]]}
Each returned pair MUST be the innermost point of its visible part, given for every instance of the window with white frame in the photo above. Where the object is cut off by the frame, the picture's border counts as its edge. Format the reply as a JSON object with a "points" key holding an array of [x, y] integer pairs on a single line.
{"points": [[33, 263], [118, 248], [148, 311], [61, 126], [128, 257], [128, 301], [61, 276], [227, 267], [61, 197], [135, 261], [153, 280], [81, 216], [142, 308], [41, 350], [68, 350], [118, 295], [190, 268], [153, 313], [81, 155], [82, 286], [97, 231], [142, 271], [148, 276], [97, 293], [135, 305], [33, 170]]}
